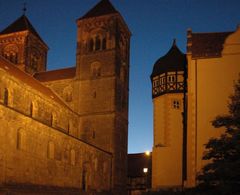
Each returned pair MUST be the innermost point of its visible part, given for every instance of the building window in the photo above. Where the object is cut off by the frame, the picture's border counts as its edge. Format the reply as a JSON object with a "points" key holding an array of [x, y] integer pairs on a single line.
{"points": [[171, 78], [95, 164], [31, 110], [91, 45], [93, 134], [176, 104], [6, 96], [72, 157], [96, 69], [50, 150], [20, 139], [145, 170], [10, 52], [104, 43], [97, 43]]}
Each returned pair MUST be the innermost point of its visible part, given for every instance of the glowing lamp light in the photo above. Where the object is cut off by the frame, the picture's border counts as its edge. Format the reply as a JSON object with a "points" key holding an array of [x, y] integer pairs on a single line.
{"points": [[145, 170], [147, 153]]}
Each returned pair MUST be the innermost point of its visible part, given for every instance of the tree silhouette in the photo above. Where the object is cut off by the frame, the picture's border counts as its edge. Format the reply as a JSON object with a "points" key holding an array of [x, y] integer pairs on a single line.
{"points": [[222, 174]]}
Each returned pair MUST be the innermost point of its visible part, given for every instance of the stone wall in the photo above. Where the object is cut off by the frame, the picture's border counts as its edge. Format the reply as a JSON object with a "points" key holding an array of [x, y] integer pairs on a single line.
{"points": [[40, 145]]}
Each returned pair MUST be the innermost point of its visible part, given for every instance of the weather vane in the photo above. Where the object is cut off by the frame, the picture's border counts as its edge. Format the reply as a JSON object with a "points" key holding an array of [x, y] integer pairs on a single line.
{"points": [[24, 8]]}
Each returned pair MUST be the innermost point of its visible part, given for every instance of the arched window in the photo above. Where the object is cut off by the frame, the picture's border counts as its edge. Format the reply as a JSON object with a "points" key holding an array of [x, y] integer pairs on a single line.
{"points": [[21, 139], [6, 96], [95, 164], [31, 110], [53, 119], [91, 45], [104, 43], [10, 52], [97, 43], [50, 150], [72, 157], [105, 167], [34, 59], [96, 69]]}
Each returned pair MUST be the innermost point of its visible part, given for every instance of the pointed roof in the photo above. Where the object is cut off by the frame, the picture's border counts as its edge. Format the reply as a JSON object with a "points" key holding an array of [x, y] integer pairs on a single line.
{"points": [[21, 24], [104, 7], [174, 60]]}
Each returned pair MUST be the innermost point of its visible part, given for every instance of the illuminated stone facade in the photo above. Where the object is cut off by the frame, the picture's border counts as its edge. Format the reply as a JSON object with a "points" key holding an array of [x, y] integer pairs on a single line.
{"points": [[179, 136], [65, 130]]}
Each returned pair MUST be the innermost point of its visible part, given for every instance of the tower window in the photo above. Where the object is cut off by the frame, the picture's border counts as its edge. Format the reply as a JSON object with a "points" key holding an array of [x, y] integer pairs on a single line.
{"points": [[10, 52], [97, 43], [104, 43], [176, 104], [171, 78], [91, 44], [96, 69]]}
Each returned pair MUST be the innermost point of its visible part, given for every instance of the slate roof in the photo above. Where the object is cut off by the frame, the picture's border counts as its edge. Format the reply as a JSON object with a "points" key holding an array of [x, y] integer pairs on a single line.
{"points": [[136, 163], [66, 73], [174, 60], [21, 24], [206, 45], [104, 7]]}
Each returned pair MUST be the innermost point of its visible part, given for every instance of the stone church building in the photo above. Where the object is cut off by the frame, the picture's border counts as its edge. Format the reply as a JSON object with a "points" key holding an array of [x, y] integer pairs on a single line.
{"points": [[65, 131], [189, 91]]}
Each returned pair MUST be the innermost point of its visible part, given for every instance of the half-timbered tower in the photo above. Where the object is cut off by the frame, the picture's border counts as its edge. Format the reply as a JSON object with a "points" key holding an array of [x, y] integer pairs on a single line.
{"points": [[168, 94]]}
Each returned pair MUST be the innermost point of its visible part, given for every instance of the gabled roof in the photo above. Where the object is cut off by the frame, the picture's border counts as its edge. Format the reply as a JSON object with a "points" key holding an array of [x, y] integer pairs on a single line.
{"points": [[66, 73], [174, 60], [104, 7], [206, 45], [21, 24]]}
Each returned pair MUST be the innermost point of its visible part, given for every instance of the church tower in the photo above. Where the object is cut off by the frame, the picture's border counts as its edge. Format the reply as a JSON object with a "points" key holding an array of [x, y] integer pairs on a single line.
{"points": [[168, 89], [21, 44], [102, 77]]}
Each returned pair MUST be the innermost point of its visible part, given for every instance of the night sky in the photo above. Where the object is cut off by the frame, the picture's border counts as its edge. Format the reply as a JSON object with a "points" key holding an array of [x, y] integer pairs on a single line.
{"points": [[153, 23]]}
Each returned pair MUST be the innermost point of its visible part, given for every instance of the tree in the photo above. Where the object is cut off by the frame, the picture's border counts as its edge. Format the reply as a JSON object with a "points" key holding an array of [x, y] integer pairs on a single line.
{"points": [[223, 171]]}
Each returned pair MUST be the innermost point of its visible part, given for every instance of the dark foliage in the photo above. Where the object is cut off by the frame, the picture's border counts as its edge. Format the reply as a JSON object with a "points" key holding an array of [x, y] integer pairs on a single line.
{"points": [[222, 174]]}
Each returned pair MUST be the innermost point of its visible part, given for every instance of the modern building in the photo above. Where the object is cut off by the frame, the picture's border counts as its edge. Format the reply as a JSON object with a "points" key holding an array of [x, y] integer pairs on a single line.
{"points": [[65, 130], [189, 91]]}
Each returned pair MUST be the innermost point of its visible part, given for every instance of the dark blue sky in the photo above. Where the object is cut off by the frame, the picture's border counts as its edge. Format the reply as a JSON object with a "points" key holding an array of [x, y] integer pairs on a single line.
{"points": [[153, 23]]}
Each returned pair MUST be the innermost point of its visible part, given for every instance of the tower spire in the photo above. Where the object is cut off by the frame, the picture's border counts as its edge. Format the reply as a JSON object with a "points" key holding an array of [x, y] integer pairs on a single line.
{"points": [[24, 8], [174, 42]]}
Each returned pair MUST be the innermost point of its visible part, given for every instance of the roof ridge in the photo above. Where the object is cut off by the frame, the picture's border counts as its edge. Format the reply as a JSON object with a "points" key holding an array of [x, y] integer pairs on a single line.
{"points": [[212, 32], [65, 68], [104, 7]]}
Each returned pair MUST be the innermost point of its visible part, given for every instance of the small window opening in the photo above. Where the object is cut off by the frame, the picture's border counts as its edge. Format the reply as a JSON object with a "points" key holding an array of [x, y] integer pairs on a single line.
{"points": [[5, 101], [98, 43], [176, 104]]}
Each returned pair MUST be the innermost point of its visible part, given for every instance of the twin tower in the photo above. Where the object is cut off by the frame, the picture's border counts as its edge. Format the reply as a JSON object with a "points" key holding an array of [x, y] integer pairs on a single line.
{"points": [[97, 88]]}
